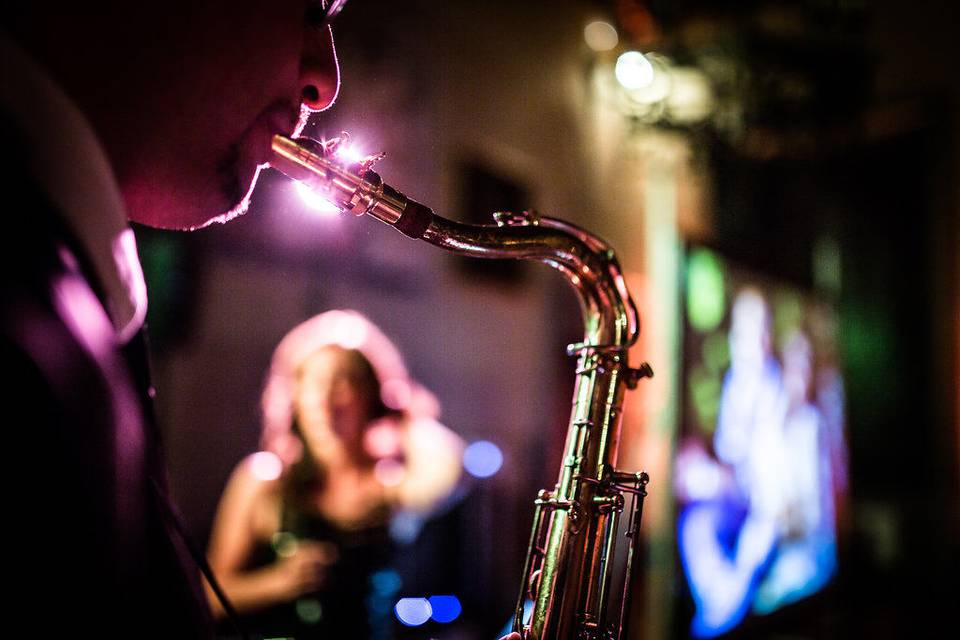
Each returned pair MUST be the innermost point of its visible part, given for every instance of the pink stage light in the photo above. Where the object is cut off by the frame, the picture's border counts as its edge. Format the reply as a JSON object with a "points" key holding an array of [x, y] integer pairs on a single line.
{"points": [[389, 472], [350, 154], [315, 201], [347, 153]]}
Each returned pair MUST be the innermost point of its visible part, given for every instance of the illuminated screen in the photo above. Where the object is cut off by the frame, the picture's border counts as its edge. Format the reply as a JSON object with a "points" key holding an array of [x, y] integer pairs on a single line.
{"points": [[760, 469]]}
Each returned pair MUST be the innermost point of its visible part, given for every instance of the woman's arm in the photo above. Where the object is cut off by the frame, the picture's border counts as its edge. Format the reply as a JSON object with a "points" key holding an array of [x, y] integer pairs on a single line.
{"points": [[239, 523]]}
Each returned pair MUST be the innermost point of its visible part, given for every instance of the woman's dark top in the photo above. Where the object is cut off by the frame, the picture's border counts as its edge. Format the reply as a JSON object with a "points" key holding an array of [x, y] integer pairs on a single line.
{"points": [[357, 597]]}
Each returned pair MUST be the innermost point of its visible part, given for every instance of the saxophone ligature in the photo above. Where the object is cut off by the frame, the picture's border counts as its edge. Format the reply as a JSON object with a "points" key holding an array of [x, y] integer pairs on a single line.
{"points": [[582, 555]]}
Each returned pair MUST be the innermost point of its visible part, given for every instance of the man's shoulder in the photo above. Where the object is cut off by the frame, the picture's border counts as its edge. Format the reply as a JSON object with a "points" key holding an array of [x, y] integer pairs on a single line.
{"points": [[33, 228]]}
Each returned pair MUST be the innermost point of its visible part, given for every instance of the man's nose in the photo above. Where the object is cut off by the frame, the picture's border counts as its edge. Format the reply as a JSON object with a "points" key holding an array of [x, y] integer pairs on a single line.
{"points": [[319, 71]]}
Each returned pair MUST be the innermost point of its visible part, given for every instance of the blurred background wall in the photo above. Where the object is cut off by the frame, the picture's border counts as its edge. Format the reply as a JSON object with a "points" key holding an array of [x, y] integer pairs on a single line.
{"points": [[810, 140]]}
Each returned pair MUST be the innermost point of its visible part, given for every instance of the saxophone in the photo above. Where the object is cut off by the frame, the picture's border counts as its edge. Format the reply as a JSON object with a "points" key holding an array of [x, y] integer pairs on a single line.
{"points": [[581, 557]]}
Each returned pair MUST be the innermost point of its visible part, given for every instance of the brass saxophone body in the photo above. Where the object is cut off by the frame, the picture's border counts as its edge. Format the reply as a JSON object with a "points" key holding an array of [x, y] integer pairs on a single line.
{"points": [[582, 549]]}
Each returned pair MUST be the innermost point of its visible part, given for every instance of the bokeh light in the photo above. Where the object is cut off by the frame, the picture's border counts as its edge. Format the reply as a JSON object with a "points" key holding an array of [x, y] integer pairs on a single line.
{"points": [[405, 526], [348, 332], [703, 479], [314, 201], [265, 466], [385, 581], [350, 153], [705, 388], [691, 96], [482, 459], [706, 302], [389, 472], [309, 610], [396, 393], [413, 612], [633, 71], [284, 544], [445, 608], [716, 352], [383, 439], [600, 35]]}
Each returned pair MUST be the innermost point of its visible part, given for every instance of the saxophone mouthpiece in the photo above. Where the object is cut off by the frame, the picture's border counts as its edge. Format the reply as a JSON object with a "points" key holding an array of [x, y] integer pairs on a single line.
{"points": [[350, 185]]}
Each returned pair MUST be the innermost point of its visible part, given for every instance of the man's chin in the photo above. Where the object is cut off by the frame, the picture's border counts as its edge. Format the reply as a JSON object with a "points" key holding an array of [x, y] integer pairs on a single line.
{"points": [[185, 200], [238, 208]]}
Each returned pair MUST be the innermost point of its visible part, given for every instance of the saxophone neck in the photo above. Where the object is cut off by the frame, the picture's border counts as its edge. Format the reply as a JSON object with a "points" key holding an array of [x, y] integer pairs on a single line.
{"points": [[587, 262]]}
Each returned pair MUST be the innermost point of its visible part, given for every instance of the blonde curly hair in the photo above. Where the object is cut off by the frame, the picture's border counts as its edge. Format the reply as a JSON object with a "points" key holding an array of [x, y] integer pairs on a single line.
{"points": [[349, 330]]}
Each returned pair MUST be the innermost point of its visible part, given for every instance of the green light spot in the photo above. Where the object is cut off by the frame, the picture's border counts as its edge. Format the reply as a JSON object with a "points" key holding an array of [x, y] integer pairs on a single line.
{"points": [[716, 351], [787, 314], [705, 397], [705, 292], [284, 544], [826, 265], [309, 610]]}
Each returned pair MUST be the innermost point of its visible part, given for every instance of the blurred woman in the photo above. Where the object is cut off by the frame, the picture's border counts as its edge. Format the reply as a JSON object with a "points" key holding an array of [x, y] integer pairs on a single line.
{"points": [[301, 538]]}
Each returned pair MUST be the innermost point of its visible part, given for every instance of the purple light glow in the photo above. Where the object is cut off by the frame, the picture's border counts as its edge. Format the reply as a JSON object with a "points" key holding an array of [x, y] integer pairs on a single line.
{"points": [[316, 202], [482, 459], [350, 153], [346, 152]]}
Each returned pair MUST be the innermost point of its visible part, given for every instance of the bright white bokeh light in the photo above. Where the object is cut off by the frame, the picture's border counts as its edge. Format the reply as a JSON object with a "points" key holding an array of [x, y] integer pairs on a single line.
{"points": [[350, 153], [600, 35], [482, 459], [348, 332], [633, 71], [265, 466], [316, 202], [413, 612]]}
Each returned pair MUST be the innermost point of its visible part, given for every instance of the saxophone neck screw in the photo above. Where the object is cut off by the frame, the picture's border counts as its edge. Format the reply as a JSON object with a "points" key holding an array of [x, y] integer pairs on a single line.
{"points": [[635, 375]]}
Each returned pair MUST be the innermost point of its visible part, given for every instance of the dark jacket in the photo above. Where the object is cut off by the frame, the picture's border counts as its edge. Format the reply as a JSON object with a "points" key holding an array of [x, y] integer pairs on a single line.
{"points": [[92, 550]]}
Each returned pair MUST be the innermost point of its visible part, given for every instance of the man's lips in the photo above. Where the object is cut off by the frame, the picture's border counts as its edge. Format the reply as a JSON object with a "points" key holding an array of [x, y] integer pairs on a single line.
{"points": [[279, 118]]}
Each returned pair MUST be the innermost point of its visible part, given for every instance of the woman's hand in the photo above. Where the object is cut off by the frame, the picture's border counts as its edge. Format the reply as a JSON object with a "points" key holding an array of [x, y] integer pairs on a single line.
{"points": [[304, 570]]}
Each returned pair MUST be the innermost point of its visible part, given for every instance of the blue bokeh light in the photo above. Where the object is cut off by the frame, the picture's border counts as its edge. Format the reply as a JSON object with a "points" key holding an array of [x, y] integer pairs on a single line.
{"points": [[386, 581], [445, 608], [413, 612], [482, 459]]}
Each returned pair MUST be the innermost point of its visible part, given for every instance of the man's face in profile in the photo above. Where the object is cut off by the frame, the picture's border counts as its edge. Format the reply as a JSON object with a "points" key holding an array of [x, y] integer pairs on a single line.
{"points": [[197, 91]]}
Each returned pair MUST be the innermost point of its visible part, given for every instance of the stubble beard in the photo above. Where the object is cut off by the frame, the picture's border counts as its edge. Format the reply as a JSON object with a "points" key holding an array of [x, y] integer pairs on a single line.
{"points": [[229, 184]]}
